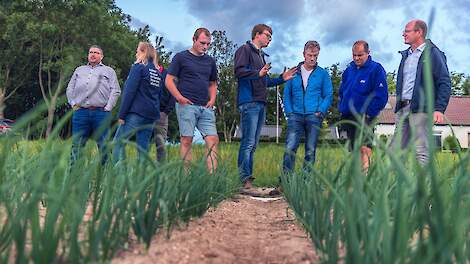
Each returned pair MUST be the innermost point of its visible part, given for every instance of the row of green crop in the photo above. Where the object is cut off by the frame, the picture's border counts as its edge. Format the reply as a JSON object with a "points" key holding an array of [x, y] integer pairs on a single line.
{"points": [[397, 212], [53, 212]]}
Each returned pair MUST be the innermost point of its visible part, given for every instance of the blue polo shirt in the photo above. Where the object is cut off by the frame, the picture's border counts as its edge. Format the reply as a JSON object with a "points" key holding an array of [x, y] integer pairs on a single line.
{"points": [[194, 75]]}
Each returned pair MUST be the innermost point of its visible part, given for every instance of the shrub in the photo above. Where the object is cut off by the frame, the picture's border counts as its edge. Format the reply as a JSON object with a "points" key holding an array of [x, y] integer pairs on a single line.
{"points": [[451, 143]]}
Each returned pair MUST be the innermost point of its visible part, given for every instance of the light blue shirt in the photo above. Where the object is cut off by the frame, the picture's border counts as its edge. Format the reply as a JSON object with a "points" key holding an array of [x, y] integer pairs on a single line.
{"points": [[409, 71]]}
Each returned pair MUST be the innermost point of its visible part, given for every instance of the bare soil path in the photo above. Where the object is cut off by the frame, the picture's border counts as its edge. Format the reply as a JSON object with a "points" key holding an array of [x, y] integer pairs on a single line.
{"points": [[240, 230]]}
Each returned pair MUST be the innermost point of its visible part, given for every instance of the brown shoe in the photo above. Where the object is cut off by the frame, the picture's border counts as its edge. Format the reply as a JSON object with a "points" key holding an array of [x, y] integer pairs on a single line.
{"points": [[248, 184], [276, 191], [247, 187]]}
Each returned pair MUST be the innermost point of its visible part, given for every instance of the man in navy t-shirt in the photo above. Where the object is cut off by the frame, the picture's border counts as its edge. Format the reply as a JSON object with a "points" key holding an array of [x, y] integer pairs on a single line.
{"points": [[192, 80]]}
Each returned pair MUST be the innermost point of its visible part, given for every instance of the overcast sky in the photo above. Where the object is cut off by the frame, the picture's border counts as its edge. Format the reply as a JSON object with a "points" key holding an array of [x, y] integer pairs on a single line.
{"points": [[335, 24]]}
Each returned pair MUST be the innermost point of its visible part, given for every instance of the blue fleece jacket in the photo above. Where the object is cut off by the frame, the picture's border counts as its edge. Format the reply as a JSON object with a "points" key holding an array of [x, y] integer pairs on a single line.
{"points": [[142, 92], [251, 87], [316, 97], [441, 81], [363, 90]]}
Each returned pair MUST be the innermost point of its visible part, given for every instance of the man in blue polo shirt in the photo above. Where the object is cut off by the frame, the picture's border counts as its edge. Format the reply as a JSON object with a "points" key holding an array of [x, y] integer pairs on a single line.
{"points": [[195, 92], [362, 95]]}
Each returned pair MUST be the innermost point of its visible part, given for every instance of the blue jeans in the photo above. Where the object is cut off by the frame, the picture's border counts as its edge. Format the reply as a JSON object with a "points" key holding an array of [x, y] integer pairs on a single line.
{"points": [[298, 124], [252, 117], [88, 123], [136, 125]]}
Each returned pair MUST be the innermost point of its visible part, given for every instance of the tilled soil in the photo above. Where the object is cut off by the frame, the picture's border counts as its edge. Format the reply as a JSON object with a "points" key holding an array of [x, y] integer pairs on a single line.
{"points": [[240, 230]]}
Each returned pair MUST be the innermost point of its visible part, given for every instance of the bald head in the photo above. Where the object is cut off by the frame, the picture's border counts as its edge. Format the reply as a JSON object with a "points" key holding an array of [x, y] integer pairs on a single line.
{"points": [[360, 52], [420, 25], [415, 33]]}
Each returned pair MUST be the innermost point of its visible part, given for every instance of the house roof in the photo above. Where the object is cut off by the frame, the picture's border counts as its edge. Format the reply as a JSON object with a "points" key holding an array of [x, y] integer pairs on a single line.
{"points": [[457, 112]]}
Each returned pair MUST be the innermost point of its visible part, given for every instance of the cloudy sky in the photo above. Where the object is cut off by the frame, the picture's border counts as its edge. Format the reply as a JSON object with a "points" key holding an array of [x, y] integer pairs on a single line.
{"points": [[335, 24]]}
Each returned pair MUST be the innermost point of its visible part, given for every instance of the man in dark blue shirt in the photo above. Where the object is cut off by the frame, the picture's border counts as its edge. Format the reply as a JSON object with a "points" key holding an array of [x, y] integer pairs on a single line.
{"points": [[195, 93]]}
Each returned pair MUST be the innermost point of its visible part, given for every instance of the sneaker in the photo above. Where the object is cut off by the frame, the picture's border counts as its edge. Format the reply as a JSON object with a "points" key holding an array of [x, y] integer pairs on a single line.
{"points": [[248, 184], [247, 187], [276, 191]]}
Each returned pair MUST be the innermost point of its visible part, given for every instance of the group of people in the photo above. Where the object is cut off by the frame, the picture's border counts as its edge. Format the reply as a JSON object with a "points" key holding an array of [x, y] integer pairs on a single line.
{"points": [[150, 93], [93, 91]]}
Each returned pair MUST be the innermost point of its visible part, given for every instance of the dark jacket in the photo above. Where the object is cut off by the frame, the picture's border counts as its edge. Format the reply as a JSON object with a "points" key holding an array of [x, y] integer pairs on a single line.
{"points": [[248, 62], [142, 92], [441, 81], [363, 90], [316, 97], [167, 101]]}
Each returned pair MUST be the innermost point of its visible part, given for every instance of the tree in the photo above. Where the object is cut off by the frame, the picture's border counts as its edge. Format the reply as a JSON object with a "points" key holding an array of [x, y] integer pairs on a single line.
{"points": [[271, 102], [466, 86], [223, 50], [163, 54], [457, 82], [41, 41], [333, 115], [391, 82], [451, 143], [15, 51], [59, 41]]}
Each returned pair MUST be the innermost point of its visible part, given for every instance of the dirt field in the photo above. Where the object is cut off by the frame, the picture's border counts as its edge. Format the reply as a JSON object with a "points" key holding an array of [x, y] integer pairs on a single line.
{"points": [[240, 230]]}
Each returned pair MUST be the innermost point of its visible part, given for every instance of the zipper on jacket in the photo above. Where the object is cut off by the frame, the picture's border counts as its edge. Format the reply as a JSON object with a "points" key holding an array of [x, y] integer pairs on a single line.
{"points": [[304, 89]]}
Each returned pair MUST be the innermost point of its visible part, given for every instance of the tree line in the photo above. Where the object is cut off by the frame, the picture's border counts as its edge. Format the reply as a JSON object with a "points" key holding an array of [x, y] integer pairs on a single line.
{"points": [[43, 41]]}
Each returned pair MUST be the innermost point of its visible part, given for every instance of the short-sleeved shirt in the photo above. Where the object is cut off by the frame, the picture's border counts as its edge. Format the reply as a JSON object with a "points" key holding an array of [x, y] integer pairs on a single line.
{"points": [[194, 75]]}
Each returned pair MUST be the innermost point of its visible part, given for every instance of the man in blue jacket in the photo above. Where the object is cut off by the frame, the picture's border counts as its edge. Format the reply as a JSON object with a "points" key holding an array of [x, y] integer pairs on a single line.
{"points": [[412, 103], [251, 71], [362, 95], [307, 97]]}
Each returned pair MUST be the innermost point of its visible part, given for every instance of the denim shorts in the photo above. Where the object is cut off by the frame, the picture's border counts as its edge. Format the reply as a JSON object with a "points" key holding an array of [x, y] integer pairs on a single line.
{"points": [[192, 116]]}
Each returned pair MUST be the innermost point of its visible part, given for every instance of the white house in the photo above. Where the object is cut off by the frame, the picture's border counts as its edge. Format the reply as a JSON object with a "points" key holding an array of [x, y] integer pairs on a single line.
{"points": [[267, 131], [457, 120]]}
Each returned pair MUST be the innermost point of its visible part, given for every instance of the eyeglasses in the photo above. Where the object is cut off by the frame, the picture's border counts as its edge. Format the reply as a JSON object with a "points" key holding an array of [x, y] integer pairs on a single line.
{"points": [[409, 30], [268, 35]]}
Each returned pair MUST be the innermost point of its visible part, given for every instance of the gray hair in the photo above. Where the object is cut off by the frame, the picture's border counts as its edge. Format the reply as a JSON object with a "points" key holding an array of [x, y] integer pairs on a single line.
{"points": [[97, 47], [311, 44]]}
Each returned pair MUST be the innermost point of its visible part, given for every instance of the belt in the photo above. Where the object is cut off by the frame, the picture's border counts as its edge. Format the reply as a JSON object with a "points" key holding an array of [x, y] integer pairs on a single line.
{"points": [[404, 103], [92, 107]]}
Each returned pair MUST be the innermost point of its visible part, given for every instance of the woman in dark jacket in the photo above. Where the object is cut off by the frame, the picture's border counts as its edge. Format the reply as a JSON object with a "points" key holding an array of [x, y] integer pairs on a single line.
{"points": [[140, 106]]}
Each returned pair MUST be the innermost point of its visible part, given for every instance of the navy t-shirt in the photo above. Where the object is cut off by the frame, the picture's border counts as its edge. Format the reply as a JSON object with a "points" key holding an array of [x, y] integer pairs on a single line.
{"points": [[194, 74]]}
